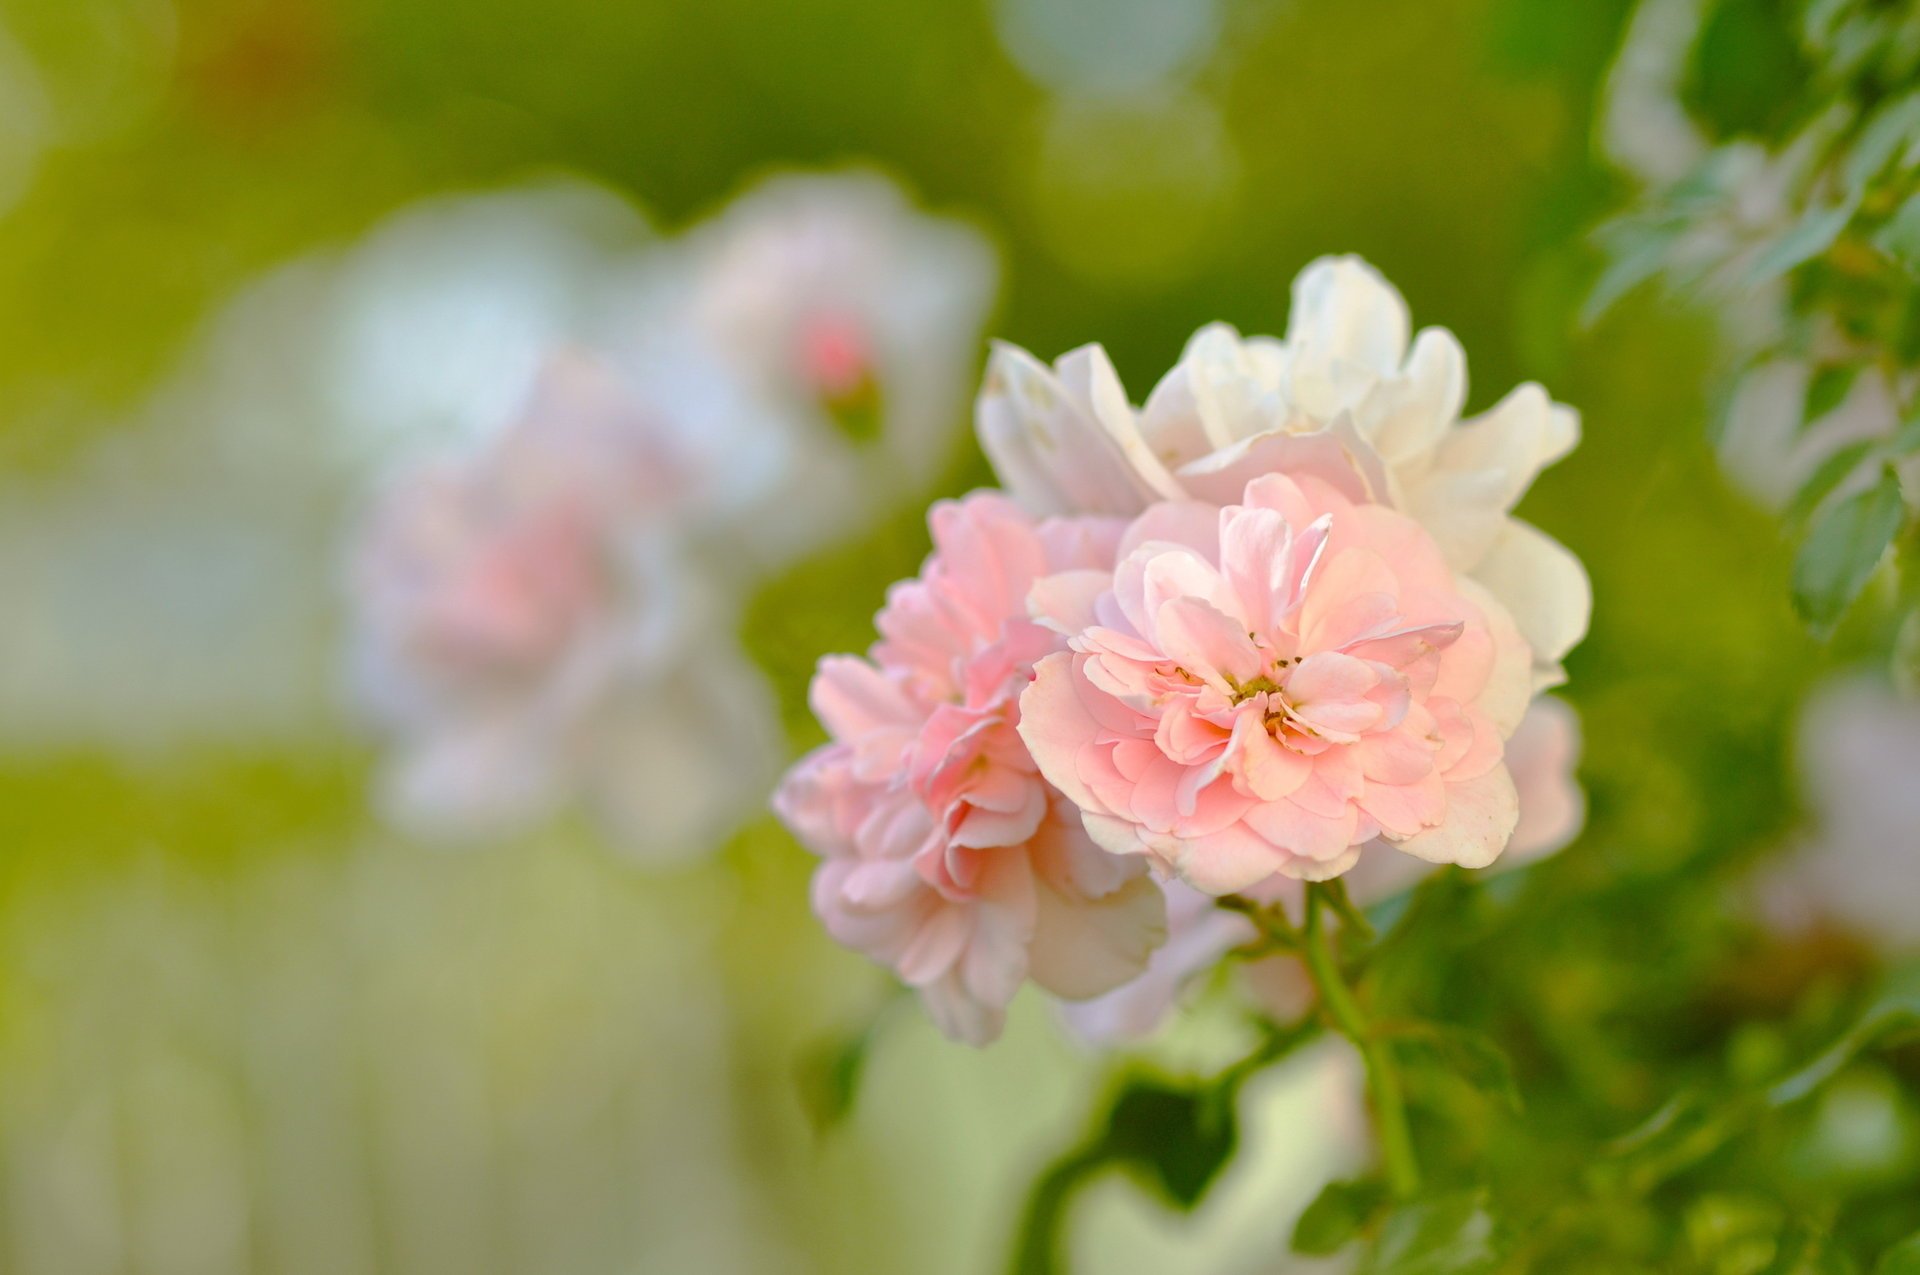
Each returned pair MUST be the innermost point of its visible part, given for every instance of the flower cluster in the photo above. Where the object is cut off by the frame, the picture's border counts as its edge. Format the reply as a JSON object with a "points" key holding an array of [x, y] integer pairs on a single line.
{"points": [[1274, 626], [534, 615]]}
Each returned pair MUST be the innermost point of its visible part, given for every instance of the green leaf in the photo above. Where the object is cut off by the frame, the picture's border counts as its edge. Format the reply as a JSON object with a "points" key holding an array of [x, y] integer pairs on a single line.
{"points": [[1635, 255], [1470, 1055], [1725, 396], [1812, 235], [1902, 1259], [829, 1079], [1894, 1014], [1827, 389], [1899, 238], [1820, 484], [1337, 1215], [1182, 1136], [1688, 1129], [1447, 1235], [1906, 440], [1893, 126], [1843, 549]]}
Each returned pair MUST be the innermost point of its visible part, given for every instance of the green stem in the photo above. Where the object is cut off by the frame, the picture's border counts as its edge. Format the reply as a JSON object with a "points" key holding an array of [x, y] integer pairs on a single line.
{"points": [[1383, 1078], [1040, 1247]]}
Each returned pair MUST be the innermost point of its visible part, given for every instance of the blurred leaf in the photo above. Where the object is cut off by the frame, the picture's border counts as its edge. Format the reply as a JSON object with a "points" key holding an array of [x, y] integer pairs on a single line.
{"points": [[1893, 127], [1182, 1136], [1900, 237], [1827, 476], [1635, 254], [1812, 235], [1472, 1056], [1894, 1014], [1906, 440], [1806, 1249], [1688, 1129], [1337, 1215], [1741, 60], [1842, 551], [829, 1078], [1729, 1232], [1827, 389], [1902, 1259], [1447, 1235]]}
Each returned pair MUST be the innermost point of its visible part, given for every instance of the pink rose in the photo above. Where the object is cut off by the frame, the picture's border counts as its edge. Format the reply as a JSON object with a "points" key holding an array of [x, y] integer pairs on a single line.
{"points": [[947, 855], [1264, 689], [1542, 756], [527, 635]]}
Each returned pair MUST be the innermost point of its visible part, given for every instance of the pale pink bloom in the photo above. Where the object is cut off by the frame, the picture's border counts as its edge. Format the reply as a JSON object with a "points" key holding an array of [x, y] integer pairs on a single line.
{"points": [[1263, 689], [947, 856], [1346, 396], [857, 318], [1541, 756], [525, 633]]}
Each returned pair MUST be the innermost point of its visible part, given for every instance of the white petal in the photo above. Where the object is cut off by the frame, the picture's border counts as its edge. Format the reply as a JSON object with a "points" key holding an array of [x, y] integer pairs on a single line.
{"points": [[1062, 443], [1343, 308], [1543, 586]]}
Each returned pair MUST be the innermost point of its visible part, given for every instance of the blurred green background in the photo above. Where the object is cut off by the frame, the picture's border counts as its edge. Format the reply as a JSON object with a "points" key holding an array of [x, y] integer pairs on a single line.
{"points": [[245, 1028]]}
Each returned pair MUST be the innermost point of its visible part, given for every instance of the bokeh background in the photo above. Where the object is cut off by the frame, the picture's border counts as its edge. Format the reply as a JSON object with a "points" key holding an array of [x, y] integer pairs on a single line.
{"points": [[255, 253]]}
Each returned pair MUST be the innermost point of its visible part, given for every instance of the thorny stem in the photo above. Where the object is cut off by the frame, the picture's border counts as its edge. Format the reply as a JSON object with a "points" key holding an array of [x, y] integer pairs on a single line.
{"points": [[1383, 1078]]}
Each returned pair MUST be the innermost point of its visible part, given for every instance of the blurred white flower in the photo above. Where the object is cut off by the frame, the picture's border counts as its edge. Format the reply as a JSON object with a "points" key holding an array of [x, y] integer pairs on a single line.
{"points": [[527, 632], [1858, 867], [208, 522], [859, 319]]}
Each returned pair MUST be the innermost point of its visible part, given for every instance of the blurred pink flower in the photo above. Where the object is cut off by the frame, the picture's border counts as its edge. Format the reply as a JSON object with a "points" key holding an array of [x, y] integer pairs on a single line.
{"points": [[1264, 689], [947, 856], [856, 317], [1541, 755], [524, 630], [1343, 396]]}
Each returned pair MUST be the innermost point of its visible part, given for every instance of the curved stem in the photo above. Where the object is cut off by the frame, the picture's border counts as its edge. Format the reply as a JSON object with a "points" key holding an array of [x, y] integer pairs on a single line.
{"points": [[1039, 1249], [1383, 1078]]}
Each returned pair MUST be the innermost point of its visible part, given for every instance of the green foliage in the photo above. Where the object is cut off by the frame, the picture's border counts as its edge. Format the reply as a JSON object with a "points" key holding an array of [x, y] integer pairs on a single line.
{"points": [[1902, 1259], [1446, 1235], [1810, 181], [1843, 549], [1336, 1216], [1178, 1135]]}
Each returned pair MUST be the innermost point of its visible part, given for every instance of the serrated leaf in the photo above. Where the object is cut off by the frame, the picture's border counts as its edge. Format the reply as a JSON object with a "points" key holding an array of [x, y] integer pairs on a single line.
{"points": [[1827, 389], [1447, 1235], [1812, 235], [1826, 477], [1902, 1259], [1337, 1215], [1843, 549], [1472, 1056]]}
